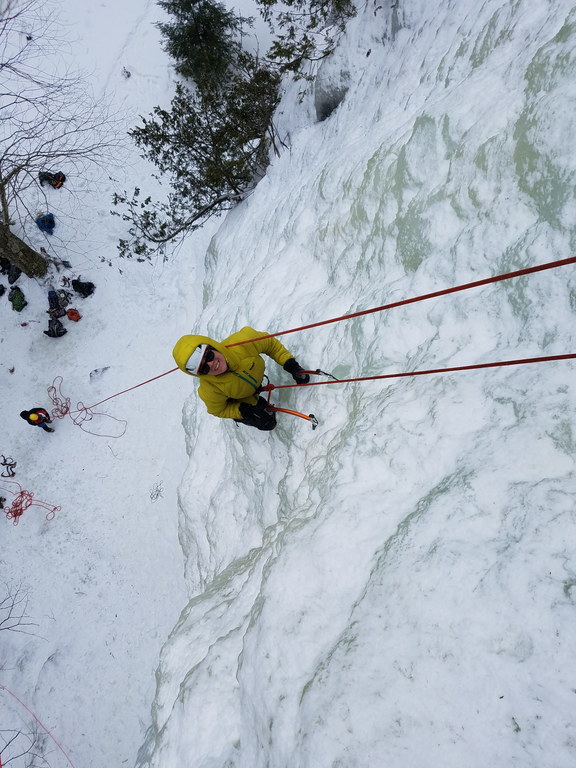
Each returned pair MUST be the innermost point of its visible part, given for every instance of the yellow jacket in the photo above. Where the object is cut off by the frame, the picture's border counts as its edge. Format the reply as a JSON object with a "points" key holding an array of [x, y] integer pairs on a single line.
{"points": [[223, 394]]}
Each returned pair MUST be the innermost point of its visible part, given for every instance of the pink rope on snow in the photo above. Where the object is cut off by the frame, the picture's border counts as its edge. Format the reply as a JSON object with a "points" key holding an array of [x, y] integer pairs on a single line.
{"points": [[40, 723]]}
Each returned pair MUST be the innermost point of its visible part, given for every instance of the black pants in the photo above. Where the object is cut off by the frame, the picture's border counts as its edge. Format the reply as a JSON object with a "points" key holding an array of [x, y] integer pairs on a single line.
{"points": [[251, 423]]}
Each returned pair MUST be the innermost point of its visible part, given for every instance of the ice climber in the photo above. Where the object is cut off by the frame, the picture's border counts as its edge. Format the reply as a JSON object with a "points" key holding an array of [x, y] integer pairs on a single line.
{"points": [[38, 417], [231, 377]]}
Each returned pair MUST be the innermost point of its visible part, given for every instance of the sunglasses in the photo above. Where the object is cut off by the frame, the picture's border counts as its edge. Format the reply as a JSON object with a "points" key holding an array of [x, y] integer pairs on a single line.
{"points": [[208, 357]]}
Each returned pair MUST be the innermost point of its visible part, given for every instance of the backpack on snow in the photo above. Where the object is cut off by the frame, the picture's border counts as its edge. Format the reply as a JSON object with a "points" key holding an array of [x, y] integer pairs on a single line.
{"points": [[55, 329], [46, 222], [55, 310], [54, 179], [63, 297], [13, 273], [16, 298], [84, 289], [73, 314]]}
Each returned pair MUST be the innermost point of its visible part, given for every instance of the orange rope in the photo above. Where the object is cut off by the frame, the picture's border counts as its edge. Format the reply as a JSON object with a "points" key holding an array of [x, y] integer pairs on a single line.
{"points": [[128, 390], [522, 361], [403, 302]]}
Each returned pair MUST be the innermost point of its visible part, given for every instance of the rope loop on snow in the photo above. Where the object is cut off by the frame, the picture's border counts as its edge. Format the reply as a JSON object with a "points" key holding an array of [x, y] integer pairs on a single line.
{"points": [[82, 414], [22, 500]]}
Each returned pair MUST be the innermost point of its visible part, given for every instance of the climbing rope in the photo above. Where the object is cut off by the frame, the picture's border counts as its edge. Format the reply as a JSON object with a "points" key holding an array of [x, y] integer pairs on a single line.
{"points": [[403, 302], [270, 387], [452, 369], [82, 414], [22, 500], [134, 387], [414, 299], [8, 463]]}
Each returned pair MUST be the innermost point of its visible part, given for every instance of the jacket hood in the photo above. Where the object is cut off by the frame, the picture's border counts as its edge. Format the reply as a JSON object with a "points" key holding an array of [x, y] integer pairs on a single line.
{"points": [[187, 344]]}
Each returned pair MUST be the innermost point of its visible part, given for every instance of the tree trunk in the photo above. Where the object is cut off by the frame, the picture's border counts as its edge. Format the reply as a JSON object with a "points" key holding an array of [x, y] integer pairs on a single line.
{"points": [[21, 255]]}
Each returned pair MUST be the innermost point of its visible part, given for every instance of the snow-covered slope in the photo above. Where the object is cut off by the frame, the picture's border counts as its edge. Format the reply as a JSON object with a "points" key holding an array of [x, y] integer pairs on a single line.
{"points": [[396, 587]]}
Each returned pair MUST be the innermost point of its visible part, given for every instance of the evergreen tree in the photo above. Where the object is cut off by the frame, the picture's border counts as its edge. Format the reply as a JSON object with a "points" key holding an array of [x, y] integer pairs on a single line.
{"points": [[213, 143], [306, 30], [213, 146], [202, 39]]}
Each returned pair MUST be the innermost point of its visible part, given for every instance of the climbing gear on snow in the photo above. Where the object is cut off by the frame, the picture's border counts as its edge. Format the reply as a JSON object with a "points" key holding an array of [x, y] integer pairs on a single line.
{"points": [[55, 180], [56, 309], [46, 222], [16, 298], [63, 297], [13, 273], [55, 329], [85, 289], [8, 463]]}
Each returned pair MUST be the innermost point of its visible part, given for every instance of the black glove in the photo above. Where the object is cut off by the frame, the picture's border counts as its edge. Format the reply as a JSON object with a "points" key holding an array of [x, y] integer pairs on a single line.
{"points": [[295, 370], [258, 415]]}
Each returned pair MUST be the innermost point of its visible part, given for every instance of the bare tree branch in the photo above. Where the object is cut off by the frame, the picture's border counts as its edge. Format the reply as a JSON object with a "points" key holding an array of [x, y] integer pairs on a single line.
{"points": [[23, 749], [13, 607], [49, 120]]}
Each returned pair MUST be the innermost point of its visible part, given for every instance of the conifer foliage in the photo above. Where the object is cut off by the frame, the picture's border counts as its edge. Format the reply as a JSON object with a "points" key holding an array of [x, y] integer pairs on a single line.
{"points": [[306, 30], [213, 144], [202, 39]]}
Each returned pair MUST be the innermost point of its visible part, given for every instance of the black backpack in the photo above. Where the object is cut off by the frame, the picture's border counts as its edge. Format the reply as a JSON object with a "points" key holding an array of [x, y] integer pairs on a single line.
{"points": [[13, 273], [54, 179], [84, 289], [55, 329]]}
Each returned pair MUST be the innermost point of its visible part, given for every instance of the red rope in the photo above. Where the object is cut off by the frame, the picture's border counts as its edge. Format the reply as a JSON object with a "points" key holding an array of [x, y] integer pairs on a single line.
{"points": [[403, 302], [452, 369], [21, 503], [127, 390], [60, 747]]}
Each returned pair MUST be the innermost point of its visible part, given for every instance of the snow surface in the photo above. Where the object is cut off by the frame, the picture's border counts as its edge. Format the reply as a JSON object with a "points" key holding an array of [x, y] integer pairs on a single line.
{"points": [[397, 587]]}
